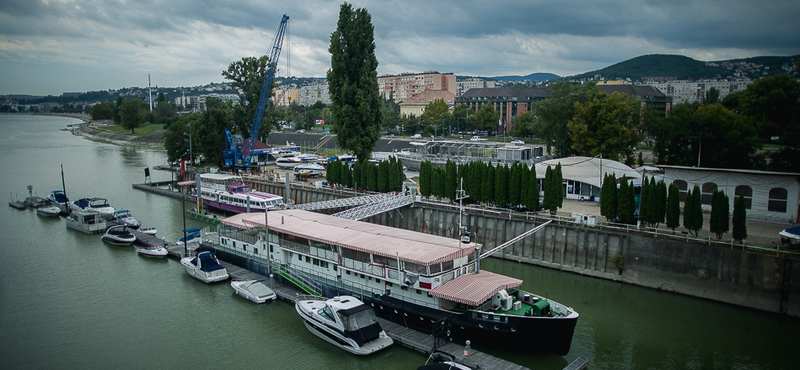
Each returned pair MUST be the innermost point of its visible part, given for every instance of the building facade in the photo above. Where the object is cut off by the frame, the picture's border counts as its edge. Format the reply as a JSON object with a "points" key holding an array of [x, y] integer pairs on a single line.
{"points": [[685, 91], [473, 83], [415, 105], [402, 87]]}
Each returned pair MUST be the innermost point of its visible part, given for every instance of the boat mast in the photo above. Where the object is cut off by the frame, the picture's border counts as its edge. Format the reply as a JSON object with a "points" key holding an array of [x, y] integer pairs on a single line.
{"points": [[64, 188]]}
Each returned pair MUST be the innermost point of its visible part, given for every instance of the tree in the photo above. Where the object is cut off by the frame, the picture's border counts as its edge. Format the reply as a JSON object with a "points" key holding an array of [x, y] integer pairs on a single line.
{"points": [[673, 136], [353, 83], [485, 119], [661, 202], [626, 203], [524, 124], [102, 111], [451, 180], [435, 112], [739, 219], [130, 114], [501, 186], [774, 99], [425, 181], [720, 211], [247, 76], [693, 211], [487, 184], [728, 140], [554, 113], [712, 96], [608, 197], [673, 208], [607, 124], [514, 185], [533, 193], [553, 189], [209, 135]]}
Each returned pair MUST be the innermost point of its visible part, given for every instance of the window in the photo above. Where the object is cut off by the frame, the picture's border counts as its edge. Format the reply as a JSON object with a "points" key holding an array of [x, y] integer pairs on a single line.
{"points": [[747, 194], [682, 186], [707, 191], [777, 200]]}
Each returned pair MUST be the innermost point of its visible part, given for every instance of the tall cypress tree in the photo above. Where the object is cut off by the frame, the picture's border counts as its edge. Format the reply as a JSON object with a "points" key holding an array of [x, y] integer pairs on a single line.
{"points": [[548, 190], [739, 219], [425, 179], [608, 197], [688, 215], [524, 185], [559, 186], [353, 83], [533, 193], [697, 209], [487, 184], [673, 209], [645, 213], [514, 182], [661, 202], [501, 186], [626, 203], [719, 223]]}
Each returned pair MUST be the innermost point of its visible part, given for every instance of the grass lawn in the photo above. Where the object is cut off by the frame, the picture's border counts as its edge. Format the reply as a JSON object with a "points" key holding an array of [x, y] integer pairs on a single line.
{"points": [[140, 131]]}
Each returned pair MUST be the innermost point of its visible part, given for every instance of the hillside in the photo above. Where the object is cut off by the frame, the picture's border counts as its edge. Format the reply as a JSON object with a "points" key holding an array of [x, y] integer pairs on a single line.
{"points": [[530, 77], [683, 67]]}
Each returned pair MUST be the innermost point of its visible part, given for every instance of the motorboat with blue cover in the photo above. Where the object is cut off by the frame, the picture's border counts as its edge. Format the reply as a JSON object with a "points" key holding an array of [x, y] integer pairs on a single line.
{"points": [[790, 238], [58, 197], [345, 322], [205, 267]]}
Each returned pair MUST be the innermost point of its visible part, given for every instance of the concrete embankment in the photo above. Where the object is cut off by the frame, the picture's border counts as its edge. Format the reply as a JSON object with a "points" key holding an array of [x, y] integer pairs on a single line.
{"points": [[764, 281]]}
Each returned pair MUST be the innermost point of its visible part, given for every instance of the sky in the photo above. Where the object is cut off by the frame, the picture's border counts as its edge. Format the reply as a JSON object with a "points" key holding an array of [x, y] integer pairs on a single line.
{"points": [[54, 46]]}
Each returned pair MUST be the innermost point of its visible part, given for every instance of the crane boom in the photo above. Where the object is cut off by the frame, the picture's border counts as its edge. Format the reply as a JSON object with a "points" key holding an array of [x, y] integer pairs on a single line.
{"points": [[240, 157]]}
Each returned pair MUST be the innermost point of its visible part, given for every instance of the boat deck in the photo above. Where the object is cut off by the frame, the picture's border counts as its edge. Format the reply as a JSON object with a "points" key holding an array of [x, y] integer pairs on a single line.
{"points": [[406, 337]]}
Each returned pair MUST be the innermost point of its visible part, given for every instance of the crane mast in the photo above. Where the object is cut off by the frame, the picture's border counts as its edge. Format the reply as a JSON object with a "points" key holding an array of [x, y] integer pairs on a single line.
{"points": [[239, 152]]}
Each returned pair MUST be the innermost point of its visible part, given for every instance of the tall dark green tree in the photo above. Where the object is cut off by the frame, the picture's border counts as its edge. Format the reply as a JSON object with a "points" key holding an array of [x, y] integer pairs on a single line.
{"points": [[476, 173], [661, 202], [207, 135], [487, 184], [131, 114], [739, 219], [720, 211], [554, 113], [693, 211], [558, 186], [533, 193], [626, 204], [425, 178], [353, 83], [514, 182], [673, 209], [501, 186], [608, 197]]}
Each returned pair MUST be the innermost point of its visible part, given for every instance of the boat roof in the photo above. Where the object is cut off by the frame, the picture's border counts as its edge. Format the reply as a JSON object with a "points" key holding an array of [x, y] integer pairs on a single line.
{"points": [[474, 289], [407, 245], [217, 176]]}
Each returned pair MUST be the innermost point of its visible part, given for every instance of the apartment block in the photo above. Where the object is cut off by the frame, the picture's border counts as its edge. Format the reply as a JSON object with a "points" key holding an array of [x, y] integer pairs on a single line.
{"points": [[402, 87], [686, 91], [473, 83]]}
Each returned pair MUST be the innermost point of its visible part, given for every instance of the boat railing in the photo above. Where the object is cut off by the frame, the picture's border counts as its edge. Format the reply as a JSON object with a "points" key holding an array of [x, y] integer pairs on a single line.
{"points": [[308, 297]]}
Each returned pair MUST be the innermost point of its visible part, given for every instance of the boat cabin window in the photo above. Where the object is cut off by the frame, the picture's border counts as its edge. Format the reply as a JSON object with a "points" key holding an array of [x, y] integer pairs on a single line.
{"points": [[357, 318], [447, 265], [436, 268], [386, 261], [326, 313], [355, 255], [413, 267]]}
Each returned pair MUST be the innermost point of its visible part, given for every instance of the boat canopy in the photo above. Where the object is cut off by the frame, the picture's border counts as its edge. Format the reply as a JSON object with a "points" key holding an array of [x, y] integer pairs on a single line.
{"points": [[207, 262], [793, 233], [474, 289]]}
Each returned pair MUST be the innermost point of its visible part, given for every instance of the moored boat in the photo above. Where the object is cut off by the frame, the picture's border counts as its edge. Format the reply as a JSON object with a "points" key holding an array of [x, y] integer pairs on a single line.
{"points": [[98, 205], [59, 198], [156, 251], [254, 290], [309, 169], [412, 278], [229, 193], [16, 203], [86, 222], [119, 235], [49, 209], [125, 218], [345, 322], [148, 230], [204, 267]]}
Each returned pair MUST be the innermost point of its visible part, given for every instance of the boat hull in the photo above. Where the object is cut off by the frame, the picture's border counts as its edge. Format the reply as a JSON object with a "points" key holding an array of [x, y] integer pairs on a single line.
{"points": [[152, 252], [528, 334]]}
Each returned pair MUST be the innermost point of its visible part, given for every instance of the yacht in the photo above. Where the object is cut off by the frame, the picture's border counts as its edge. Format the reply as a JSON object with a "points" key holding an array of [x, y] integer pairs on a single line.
{"points": [[254, 290], [119, 235], [86, 222], [309, 169], [345, 322], [230, 194], [59, 198], [156, 251], [125, 218], [97, 205], [205, 267]]}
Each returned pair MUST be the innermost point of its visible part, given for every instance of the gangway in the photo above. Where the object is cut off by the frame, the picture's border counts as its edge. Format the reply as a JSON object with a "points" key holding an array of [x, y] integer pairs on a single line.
{"points": [[386, 204], [516, 239], [344, 202]]}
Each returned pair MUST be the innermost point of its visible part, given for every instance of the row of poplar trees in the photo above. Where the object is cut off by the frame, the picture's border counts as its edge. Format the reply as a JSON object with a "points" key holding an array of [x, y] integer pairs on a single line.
{"points": [[384, 176], [659, 204], [513, 186]]}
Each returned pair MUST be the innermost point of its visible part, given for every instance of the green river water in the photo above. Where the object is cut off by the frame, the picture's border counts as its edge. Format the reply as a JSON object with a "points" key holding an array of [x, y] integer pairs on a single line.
{"points": [[67, 300]]}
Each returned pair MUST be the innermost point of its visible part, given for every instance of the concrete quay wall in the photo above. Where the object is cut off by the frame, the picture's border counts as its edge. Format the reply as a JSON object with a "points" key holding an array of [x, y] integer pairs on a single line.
{"points": [[744, 278]]}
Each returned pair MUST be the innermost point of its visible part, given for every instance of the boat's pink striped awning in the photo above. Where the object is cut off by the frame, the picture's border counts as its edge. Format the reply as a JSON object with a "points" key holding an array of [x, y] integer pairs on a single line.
{"points": [[410, 246], [474, 289]]}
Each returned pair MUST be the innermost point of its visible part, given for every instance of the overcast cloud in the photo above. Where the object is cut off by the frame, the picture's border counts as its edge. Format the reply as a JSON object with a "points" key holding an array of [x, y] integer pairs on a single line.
{"points": [[55, 46]]}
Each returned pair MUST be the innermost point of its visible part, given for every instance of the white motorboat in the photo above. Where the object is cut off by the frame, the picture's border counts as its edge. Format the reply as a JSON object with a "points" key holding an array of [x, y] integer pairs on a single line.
{"points": [[205, 267], [98, 205], [443, 361], [192, 238], [309, 169], [50, 209], [156, 251], [59, 198], [345, 322], [119, 235], [288, 161], [254, 290], [86, 222], [148, 230], [125, 218]]}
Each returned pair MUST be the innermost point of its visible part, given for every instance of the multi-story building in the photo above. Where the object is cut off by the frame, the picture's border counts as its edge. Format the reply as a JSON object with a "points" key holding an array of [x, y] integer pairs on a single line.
{"points": [[311, 94], [415, 105], [513, 101], [473, 83], [685, 91], [402, 87]]}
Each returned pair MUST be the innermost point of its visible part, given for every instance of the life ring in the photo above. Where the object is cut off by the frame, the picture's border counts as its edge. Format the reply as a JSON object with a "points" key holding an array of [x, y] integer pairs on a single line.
{"points": [[283, 206]]}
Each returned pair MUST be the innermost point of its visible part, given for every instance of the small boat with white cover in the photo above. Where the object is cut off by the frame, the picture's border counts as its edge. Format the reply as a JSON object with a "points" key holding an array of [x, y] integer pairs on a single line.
{"points": [[49, 209], [125, 218], [345, 322], [205, 267], [119, 235], [155, 251], [254, 290]]}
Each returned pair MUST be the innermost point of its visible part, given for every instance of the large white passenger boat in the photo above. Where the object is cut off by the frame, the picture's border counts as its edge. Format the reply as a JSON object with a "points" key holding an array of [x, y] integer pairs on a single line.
{"points": [[415, 279], [229, 193]]}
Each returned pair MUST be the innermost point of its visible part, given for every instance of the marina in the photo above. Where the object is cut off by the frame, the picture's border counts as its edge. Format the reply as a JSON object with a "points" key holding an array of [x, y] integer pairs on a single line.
{"points": [[112, 304]]}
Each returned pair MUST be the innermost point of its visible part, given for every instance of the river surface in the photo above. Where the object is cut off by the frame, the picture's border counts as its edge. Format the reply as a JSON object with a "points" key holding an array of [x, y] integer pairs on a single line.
{"points": [[67, 300]]}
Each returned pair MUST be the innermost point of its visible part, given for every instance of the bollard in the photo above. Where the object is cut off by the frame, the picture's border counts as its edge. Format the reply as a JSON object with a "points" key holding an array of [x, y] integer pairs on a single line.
{"points": [[467, 351]]}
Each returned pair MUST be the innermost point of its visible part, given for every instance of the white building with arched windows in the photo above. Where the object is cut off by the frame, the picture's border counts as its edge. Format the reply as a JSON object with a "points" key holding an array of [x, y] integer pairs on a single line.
{"points": [[769, 196]]}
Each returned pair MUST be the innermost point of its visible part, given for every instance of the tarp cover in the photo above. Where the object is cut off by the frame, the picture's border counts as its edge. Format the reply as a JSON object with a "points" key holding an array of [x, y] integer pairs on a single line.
{"points": [[474, 289], [208, 262], [587, 170]]}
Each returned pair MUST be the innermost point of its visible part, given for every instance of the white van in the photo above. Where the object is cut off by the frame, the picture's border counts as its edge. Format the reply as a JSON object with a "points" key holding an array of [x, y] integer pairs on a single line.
{"points": [[477, 138], [417, 136]]}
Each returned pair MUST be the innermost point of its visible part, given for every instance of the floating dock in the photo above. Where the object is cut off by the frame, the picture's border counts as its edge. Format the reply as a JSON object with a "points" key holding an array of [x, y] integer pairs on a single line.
{"points": [[403, 336]]}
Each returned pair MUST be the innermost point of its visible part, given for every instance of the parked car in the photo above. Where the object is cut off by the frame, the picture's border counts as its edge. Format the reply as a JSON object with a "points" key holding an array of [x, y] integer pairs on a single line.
{"points": [[391, 135], [477, 138], [517, 142], [417, 136]]}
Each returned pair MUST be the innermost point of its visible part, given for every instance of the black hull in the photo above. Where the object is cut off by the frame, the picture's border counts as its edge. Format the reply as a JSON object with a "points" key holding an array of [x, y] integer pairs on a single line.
{"points": [[535, 335]]}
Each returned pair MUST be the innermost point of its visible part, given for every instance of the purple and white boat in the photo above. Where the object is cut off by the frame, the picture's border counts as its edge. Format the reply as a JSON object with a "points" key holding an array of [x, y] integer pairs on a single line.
{"points": [[229, 193]]}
